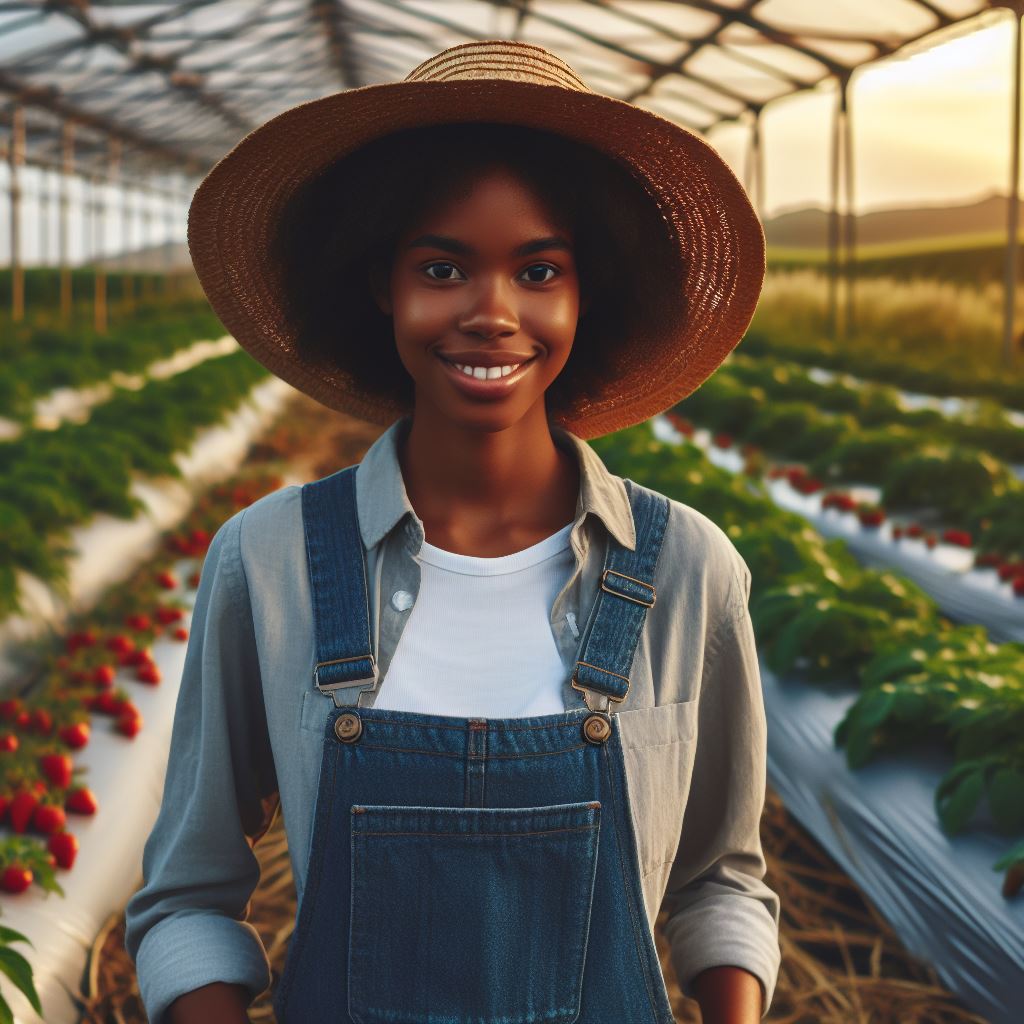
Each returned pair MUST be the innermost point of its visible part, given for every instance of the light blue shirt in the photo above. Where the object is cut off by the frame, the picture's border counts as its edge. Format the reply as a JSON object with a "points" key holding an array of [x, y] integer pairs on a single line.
{"points": [[249, 723]]}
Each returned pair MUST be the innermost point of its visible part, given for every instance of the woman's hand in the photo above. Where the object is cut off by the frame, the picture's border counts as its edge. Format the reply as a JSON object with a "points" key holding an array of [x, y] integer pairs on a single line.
{"points": [[728, 995], [216, 1003]]}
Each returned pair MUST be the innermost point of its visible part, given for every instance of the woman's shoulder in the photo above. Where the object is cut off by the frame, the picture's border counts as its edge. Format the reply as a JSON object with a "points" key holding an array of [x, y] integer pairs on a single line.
{"points": [[699, 558]]}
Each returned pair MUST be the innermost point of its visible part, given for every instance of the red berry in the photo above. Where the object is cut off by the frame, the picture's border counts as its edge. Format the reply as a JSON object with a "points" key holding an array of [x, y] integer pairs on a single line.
{"points": [[57, 768], [193, 580], [107, 703], [121, 643], [148, 674], [9, 709], [8, 741], [48, 818], [181, 633], [129, 724], [22, 808], [15, 878], [23, 719], [64, 847], [81, 800], [103, 675], [41, 720], [138, 622], [76, 735], [167, 580]]}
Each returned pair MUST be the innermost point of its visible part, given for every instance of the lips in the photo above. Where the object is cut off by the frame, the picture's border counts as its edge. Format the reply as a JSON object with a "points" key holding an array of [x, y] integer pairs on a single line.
{"points": [[487, 388]]}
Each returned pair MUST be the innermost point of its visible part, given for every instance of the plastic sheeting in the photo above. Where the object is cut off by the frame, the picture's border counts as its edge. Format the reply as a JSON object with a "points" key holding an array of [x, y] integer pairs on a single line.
{"points": [[963, 593], [127, 776], [216, 452], [939, 893]]}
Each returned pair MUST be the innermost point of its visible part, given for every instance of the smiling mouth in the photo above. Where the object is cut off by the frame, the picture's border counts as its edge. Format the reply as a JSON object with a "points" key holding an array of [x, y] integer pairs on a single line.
{"points": [[484, 373]]}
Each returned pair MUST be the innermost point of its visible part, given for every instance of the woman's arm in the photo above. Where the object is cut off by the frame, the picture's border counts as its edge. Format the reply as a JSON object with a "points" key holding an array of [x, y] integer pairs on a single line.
{"points": [[216, 1003], [721, 914], [187, 927]]}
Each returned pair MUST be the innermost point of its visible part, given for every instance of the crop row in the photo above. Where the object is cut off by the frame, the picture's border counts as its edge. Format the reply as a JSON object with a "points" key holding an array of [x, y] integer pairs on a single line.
{"points": [[54, 479], [35, 359], [820, 616], [924, 469]]}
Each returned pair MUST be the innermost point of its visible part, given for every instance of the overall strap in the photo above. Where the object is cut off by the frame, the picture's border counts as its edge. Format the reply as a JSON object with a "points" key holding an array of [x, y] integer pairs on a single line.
{"points": [[345, 665], [627, 590]]}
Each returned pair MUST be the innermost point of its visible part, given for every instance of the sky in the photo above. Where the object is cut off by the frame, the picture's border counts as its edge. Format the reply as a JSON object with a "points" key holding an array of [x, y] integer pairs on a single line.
{"points": [[931, 127]]}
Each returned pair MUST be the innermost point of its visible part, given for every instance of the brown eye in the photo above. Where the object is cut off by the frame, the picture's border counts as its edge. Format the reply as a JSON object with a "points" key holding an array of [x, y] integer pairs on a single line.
{"points": [[431, 266], [540, 266]]}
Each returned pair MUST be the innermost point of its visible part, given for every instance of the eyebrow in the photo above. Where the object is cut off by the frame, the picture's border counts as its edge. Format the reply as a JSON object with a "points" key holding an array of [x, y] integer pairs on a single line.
{"points": [[456, 246]]}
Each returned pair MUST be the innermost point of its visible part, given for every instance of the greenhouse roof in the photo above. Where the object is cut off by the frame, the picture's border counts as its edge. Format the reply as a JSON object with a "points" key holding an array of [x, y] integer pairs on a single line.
{"points": [[179, 83]]}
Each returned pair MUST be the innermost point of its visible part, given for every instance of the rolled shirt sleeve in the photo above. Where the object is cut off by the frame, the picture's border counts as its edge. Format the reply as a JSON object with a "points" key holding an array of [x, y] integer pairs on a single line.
{"points": [[186, 926], [719, 910]]}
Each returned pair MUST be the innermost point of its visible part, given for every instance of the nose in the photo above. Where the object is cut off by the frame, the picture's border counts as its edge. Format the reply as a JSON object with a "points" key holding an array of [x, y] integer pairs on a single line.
{"points": [[491, 310]]}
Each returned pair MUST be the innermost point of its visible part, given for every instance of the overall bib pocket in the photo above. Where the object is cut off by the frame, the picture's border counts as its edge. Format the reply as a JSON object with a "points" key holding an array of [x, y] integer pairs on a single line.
{"points": [[472, 914]]}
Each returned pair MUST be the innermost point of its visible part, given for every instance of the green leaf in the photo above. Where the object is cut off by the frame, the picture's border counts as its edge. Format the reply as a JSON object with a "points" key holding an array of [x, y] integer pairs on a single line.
{"points": [[1006, 799], [956, 810], [1016, 855], [8, 935], [6, 1017], [19, 970]]}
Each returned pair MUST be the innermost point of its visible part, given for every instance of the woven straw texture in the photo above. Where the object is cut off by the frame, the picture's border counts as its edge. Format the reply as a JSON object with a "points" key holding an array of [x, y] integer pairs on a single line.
{"points": [[711, 291]]}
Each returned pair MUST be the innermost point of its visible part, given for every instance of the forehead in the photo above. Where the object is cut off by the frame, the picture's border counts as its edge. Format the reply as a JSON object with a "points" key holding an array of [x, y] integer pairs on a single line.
{"points": [[494, 188]]}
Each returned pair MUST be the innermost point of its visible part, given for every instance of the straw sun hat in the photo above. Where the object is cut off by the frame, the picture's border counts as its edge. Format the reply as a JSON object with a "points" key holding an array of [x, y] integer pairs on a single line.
{"points": [[705, 271]]}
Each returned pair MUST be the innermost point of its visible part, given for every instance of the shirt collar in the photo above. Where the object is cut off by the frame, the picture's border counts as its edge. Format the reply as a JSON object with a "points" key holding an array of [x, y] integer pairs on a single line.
{"points": [[382, 501]]}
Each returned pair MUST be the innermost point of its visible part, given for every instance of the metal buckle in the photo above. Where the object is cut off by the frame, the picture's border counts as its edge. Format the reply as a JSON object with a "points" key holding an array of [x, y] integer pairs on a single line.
{"points": [[587, 691], [635, 600], [331, 687]]}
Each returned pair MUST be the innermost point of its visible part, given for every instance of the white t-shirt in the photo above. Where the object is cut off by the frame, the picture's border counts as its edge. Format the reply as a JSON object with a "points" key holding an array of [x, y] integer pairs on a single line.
{"points": [[478, 642]]}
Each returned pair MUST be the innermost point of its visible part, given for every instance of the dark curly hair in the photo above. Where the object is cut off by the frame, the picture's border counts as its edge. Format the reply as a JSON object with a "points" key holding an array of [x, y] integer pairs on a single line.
{"points": [[350, 217]]}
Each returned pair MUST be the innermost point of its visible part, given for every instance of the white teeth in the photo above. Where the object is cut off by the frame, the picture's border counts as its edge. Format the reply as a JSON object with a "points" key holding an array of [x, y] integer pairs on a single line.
{"points": [[486, 372]]}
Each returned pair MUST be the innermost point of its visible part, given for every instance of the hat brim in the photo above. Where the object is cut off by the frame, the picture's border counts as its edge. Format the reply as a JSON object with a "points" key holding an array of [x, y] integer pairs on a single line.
{"points": [[234, 215]]}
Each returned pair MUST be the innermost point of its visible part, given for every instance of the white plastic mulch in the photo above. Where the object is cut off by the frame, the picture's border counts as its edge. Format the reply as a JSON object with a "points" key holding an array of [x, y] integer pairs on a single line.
{"points": [[963, 593]]}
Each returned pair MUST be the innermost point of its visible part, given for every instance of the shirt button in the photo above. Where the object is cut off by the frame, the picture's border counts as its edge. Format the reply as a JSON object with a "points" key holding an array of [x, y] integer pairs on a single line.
{"points": [[400, 600]]}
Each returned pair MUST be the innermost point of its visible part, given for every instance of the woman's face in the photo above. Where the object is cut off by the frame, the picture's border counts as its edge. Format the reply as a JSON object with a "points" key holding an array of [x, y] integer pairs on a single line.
{"points": [[480, 283]]}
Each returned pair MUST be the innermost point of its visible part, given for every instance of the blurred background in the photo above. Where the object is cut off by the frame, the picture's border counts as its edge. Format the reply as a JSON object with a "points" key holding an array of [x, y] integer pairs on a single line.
{"points": [[863, 447]]}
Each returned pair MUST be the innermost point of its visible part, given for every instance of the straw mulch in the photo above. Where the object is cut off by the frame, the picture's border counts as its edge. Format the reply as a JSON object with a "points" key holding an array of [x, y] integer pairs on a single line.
{"points": [[841, 962]]}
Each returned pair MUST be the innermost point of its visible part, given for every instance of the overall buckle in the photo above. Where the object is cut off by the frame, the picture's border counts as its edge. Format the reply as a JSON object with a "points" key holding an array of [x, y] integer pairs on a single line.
{"points": [[365, 683]]}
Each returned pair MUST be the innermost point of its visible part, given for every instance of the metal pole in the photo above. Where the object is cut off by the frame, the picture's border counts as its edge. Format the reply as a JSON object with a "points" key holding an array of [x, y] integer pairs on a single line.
{"points": [[17, 156], [100, 294], [833, 221], [1013, 203], [67, 169], [851, 217]]}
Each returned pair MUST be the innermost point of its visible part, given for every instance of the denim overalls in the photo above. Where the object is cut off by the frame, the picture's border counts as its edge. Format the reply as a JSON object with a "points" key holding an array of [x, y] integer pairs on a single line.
{"points": [[471, 870]]}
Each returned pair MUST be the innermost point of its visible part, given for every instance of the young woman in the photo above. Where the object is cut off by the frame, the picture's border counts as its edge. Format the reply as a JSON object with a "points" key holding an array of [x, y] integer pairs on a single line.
{"points": [[508, 702]]}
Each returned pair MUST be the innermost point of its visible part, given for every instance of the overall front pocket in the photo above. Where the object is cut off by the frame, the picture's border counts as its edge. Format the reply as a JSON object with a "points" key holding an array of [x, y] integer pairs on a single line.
{"points": [[472, 914]]}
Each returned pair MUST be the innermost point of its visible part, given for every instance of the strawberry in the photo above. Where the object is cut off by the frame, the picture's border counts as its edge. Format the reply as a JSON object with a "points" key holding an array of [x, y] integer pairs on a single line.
{"points": [[39, 787], [167, 580], [915, 530], [87, 638], [22, 720], [128, 724], [9, 709], [897, 532], [168, 615], [48, 818], [22, 808], [107, 703], [41, 721], [64, 847], [120, 643], [138, 622], [1018, 586], [930, 539], [148, 674], [57, 768], [8, 741], [103, 675], [181, 633], [142, 656], [81, 800], [193, 580], [722, 440], [15, 878], [75, 735]]}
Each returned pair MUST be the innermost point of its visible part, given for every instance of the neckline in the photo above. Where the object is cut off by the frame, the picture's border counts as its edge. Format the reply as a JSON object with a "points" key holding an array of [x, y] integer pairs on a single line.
{"points": [[480, 565]]}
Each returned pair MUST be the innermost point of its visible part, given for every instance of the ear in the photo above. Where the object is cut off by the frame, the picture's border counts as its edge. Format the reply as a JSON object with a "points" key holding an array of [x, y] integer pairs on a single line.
{"points": [[380, 287]]}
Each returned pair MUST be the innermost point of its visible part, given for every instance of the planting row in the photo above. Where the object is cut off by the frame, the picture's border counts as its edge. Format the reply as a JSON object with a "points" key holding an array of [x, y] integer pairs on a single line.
{"points": [[54, 479], [35, 360], [821, 617], [939, 480]]}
